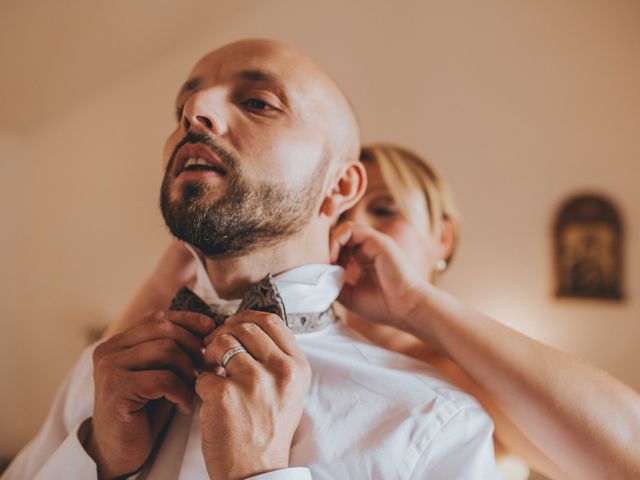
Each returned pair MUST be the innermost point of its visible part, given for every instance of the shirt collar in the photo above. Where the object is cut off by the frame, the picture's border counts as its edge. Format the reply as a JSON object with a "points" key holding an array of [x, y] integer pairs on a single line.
{"points": [[307, 288]]}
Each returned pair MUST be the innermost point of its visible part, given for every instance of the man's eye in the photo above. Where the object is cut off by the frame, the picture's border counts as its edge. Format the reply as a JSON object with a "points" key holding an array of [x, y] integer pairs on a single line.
{"points": [[179, 111], [256, 104]]}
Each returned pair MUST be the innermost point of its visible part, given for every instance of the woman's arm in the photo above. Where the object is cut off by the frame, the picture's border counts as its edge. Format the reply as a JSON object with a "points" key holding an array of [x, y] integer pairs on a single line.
{"points": [[585, 422], [176, 268]]}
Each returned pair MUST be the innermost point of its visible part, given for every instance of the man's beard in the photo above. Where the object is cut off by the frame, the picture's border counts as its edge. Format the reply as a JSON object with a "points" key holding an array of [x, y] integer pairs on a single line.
{"points": [[249, 215]]}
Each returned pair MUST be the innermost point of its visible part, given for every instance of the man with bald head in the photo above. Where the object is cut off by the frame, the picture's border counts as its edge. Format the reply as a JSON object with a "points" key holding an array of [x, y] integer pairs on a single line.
{"points": [[263, 160]]}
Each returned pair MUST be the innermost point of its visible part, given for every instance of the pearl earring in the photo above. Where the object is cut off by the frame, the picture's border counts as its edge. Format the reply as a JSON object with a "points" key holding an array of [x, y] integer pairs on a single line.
{"points": [[441, 265]]}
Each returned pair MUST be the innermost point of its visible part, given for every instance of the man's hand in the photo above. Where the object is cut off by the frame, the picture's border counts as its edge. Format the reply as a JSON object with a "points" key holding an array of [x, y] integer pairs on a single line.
{"points": [[249, 416], [139, 376], [381, 285]]}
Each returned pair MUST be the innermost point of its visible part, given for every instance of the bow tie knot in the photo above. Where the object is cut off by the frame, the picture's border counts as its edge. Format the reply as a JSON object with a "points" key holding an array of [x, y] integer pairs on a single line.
{"points": [[263, 297]]}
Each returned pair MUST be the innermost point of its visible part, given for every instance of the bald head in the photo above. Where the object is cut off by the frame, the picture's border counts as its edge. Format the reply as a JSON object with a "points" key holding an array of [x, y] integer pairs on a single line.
{"points": [[312, 94], [265, 151]]}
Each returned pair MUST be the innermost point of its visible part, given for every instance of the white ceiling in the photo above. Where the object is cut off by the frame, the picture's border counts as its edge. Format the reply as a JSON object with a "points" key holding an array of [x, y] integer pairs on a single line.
{"points": [[54, 54]]}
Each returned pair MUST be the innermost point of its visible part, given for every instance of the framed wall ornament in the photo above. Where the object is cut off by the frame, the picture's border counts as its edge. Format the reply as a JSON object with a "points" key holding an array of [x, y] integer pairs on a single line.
{"points": [[588, 248]]}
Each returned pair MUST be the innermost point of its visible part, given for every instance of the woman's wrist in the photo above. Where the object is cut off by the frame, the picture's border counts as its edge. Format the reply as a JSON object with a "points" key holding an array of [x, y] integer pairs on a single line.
{"points": [[418, 307], [424, 314]]}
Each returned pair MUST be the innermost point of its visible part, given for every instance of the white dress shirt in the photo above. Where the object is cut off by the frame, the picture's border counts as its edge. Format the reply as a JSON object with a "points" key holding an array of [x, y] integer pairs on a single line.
{"points": [[369, 414]]}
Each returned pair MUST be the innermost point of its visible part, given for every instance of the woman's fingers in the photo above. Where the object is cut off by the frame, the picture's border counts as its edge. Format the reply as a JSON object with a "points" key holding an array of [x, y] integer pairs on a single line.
{"points": [[346, 296], [339, 238], [360, 242]]}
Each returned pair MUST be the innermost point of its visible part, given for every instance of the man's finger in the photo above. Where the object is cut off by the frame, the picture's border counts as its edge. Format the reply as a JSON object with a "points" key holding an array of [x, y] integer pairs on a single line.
{"points": [[273, 326], [158, 354], [219, 346], [196, 323], [161, 326], [209, 383], [150, 385], [259, 345]]}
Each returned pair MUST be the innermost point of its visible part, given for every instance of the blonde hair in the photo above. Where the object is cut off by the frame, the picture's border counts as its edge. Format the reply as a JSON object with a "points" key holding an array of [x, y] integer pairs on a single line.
{"points": [[421, 194]]}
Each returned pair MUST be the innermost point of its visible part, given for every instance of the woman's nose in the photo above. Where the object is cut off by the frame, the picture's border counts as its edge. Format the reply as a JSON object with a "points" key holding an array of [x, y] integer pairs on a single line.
{"points": [[357, 215]]}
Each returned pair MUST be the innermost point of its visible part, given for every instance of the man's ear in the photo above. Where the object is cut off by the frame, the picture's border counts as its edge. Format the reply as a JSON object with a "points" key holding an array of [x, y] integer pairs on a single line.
{"points": [[348, 187]]}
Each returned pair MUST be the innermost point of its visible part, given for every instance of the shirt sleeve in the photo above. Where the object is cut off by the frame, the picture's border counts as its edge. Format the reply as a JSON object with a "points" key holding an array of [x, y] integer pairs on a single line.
{"points": [[462, 449], [70, 460], [294, 473], [56, 451]]}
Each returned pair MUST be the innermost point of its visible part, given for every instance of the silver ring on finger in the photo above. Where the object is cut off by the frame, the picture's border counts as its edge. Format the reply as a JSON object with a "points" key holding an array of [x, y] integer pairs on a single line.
{"points": [[230, 353]]}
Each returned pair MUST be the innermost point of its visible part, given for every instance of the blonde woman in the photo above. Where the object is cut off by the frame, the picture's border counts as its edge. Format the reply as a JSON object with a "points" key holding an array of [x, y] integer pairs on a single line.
{"points": [[563, 417]]}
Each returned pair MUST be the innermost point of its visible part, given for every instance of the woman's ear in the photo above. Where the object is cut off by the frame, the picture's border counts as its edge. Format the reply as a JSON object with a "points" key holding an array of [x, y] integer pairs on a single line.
{"points": [[447, 240], [348, 187]]}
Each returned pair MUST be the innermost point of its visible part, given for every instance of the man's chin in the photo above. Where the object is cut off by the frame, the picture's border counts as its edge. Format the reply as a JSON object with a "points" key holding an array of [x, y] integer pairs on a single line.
{"points": [[202, 192]]}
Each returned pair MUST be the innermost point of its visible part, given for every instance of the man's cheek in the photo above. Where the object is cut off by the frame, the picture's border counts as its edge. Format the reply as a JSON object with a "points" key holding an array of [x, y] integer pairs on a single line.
{"points": [[168, 149], [299, 161]]}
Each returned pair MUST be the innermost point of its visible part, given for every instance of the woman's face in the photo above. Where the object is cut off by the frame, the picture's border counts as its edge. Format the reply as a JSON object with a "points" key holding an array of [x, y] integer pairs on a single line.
{"points": [[378, 209]]}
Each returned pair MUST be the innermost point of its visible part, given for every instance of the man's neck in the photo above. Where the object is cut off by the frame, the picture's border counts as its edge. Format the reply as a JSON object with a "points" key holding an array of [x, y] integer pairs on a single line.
{"points": [[231, 277]]}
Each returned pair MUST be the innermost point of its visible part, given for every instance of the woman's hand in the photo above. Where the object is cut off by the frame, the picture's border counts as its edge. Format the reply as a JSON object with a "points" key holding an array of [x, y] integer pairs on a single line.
{"points": [[381, 285]]}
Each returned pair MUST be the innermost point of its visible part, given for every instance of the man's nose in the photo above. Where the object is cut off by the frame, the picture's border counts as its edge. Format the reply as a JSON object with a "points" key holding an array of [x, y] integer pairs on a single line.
{"points": [[204, 113]]}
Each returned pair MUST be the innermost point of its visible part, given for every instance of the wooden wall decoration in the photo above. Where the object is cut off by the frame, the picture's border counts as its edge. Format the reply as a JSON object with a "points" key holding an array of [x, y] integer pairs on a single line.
{"points": [[588, 241]]}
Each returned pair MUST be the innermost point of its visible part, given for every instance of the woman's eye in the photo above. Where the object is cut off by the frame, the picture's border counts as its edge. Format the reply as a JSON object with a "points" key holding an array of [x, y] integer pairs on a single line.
{"points": [[256, 104], [383, 211]]}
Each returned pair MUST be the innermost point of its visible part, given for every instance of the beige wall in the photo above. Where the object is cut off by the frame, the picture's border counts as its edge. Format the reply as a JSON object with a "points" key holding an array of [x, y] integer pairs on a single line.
{"points": [[518, 103]]}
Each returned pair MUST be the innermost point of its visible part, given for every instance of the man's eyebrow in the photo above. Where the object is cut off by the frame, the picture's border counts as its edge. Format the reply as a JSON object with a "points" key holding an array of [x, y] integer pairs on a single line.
{"points": [[190, 85], [250, 76], [257, 76], [263, 77]]}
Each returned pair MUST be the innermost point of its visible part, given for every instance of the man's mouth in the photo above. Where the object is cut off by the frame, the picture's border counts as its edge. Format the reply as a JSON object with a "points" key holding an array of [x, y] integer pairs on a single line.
{"points": [[200, 163], [194, 157]]}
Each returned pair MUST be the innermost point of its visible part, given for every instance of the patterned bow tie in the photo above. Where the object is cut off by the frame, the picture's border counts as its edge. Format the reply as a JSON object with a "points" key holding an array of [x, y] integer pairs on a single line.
{"points": [[263, 297]]}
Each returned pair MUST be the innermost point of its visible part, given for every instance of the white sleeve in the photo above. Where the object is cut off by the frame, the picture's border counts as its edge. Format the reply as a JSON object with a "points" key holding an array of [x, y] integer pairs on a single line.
{"points": [[294, 473], [56, 451], [70, 461], [462, 449]]}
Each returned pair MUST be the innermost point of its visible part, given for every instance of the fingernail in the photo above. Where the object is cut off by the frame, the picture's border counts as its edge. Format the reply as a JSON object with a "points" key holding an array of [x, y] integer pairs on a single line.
{"points": [[159, 315]]}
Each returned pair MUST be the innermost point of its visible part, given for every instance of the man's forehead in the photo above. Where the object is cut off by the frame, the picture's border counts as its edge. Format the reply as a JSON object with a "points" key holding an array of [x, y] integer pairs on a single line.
{"points": [[252, 63], [202, 75]]}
